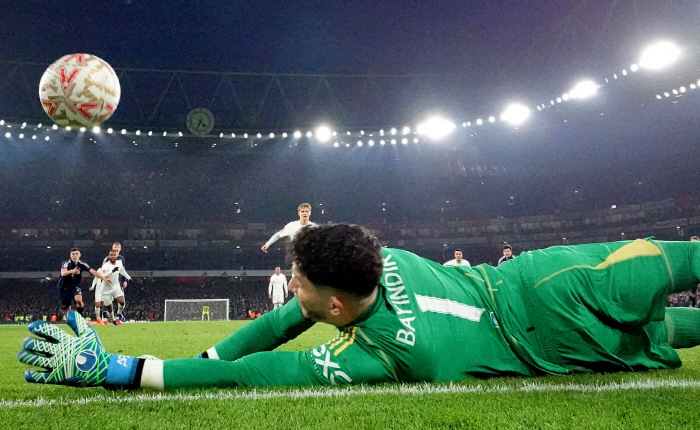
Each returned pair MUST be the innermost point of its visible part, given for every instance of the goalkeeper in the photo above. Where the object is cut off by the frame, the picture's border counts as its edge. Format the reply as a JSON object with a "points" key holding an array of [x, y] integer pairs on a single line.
{"points": [[401, 318]]}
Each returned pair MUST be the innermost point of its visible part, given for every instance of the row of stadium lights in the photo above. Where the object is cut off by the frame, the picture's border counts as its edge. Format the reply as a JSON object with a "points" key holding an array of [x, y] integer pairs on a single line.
{"points": [[655, 57], [678, 91]]}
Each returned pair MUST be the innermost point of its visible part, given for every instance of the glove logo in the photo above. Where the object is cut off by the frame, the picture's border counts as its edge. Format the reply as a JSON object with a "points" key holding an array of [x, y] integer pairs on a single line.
{"points": [[86, 360]]}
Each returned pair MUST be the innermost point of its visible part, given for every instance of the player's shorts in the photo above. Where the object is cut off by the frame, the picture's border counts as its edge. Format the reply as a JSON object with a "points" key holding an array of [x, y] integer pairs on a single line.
{"points": [[277, 299], [67, 295], [108, 294]]}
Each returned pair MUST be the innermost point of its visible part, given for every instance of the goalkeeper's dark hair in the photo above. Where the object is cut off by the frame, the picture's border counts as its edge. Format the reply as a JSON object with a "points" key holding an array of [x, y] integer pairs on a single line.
{"points": [[342, 256]]}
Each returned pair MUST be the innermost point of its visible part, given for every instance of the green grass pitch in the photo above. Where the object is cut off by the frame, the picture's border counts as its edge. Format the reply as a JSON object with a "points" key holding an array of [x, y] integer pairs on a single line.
{"points": [[649, 400]]}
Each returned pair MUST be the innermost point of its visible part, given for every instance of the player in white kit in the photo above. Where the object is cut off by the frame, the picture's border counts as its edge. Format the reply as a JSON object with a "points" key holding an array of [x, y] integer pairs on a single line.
{"points": [[106, 293], [290, 230], [277, 290], [458, 260]]}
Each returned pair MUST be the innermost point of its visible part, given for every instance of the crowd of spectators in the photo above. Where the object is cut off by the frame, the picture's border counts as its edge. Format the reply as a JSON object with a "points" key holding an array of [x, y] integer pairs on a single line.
{"points": [[35, 299]]}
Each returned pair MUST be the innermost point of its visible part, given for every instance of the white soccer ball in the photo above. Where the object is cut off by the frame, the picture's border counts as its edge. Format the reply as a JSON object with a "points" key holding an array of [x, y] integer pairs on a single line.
{"points": [[79, 90]]}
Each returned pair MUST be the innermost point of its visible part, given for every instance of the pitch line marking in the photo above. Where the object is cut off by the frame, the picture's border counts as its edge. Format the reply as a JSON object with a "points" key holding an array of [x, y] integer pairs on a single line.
{"points": [[420, 389]]}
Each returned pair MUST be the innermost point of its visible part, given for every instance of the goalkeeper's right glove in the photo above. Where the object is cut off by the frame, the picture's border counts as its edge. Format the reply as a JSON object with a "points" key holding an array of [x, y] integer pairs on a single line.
{"points": [[76, 361]]}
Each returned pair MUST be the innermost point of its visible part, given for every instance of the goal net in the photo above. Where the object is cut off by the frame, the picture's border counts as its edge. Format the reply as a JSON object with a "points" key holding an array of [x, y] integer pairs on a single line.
{"points": [[195, 310]]}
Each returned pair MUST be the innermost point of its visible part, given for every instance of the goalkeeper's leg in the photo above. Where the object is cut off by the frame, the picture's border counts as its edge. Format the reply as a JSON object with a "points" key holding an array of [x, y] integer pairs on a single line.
{"points": [[683, 327]]}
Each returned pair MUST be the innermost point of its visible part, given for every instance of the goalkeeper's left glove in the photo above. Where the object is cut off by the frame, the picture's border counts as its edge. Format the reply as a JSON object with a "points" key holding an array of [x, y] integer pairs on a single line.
{"points": [[76, 361]]}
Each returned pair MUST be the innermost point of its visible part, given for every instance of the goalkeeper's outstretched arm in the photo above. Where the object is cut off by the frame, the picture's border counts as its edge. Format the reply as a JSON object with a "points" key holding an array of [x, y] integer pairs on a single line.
{"points": [[82, 362], [263, 334]]}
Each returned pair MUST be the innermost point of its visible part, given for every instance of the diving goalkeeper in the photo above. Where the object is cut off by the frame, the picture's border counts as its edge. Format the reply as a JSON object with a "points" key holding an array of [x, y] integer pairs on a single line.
{"points": [[401, 318]]}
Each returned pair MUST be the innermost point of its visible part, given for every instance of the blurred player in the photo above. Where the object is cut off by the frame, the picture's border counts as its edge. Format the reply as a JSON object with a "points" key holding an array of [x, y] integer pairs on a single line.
{"points": [[106, 293], [458, 260], [69, 282], [116, 246], [290, 230], [277, 290], [205, 311]]}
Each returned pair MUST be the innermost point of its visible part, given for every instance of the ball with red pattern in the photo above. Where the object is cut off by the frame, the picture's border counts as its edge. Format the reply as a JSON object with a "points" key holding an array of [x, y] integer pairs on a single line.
{"points": [[79, 90]]}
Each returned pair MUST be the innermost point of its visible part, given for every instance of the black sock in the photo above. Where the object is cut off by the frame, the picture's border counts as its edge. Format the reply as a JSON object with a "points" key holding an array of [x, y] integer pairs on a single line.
{"points": [[80, 310]]}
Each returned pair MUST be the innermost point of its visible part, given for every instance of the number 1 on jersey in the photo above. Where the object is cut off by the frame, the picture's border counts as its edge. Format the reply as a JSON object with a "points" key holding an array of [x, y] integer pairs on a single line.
{"points": [[448, 307]]}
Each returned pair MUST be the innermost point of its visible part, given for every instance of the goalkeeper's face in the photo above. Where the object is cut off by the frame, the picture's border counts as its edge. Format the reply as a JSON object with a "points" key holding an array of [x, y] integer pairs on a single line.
{"points": [[317, 304]]}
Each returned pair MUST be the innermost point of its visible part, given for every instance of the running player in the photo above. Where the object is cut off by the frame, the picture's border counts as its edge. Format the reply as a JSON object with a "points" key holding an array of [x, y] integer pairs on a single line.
{"points": [[585, 308], [116, 246], [69, 282], [277, 290], [106, 293], [458, 260], [291, 229]]}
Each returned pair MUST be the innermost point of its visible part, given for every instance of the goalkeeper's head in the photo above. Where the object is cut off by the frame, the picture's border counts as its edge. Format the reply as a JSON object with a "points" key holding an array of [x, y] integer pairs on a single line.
{"points": [[336, 271]]}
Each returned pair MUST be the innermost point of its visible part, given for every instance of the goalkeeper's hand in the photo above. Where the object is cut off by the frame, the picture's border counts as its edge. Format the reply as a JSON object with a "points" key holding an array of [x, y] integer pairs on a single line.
{"points": [[76, 361]]}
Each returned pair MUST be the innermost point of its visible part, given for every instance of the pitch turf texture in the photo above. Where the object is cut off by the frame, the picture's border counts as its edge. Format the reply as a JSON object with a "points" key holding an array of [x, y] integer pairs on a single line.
{"points": [[649, 400]]}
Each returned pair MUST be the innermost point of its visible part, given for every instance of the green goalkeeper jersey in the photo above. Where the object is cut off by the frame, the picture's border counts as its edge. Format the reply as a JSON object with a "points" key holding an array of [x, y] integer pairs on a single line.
{"points": [[428, 323], [592, 307]]}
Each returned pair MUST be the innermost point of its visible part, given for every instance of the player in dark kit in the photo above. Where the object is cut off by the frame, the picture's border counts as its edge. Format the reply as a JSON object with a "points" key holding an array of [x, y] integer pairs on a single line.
{"points": [[69, 282]]}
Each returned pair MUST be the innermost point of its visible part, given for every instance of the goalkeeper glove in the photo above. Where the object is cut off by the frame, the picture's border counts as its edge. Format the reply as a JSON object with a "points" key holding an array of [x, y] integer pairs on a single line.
{"points": [[76, 361]]}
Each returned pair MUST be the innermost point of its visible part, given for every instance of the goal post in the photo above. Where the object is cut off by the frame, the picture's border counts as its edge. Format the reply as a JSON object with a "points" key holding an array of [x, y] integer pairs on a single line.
{"points": [[194, 310]]}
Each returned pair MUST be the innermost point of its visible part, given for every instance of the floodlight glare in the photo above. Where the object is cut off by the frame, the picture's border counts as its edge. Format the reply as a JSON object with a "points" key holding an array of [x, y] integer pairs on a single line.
{"points": [[323, 134], [515, 114], [297, 134], [435, 128], [583, 90], [659, 55]]}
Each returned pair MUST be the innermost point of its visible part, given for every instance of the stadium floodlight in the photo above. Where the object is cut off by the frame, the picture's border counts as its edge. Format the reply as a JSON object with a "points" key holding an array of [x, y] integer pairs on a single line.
{"points": [[297, 134], [692, 86], [309, 134], [323, 134], [406, 130], [272, 135], [110, 130], [492, 119], [634, 67], [138, 132], [8, 135], [54, 127], [259, 135], [659, 55], [393, 131], [479, 121], [515, 114], [583, 90], [96, 129], [435, 128]]}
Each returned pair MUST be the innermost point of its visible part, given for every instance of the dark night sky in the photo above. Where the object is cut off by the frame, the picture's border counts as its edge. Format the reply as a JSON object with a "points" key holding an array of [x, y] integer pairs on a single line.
{"points": [[409, 36], [499, 46]]}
